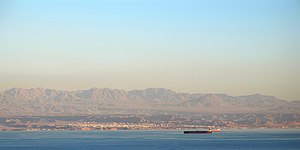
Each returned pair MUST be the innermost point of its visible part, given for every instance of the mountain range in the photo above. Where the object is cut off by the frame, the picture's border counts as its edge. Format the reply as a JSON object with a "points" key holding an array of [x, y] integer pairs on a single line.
{"points": [[41, 101]]}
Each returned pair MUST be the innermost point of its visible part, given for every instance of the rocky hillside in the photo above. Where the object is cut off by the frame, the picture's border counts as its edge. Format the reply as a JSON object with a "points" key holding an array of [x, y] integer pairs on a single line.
{"points": [[40, 101]]}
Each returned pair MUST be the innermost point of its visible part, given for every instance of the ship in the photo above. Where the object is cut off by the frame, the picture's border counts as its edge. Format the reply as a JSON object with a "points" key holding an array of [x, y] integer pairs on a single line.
{"points": [[198, 132], [216, 130]]}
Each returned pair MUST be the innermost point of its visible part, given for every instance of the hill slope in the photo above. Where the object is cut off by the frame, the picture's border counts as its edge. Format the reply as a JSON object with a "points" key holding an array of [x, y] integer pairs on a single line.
{"points": [[40, 101]]}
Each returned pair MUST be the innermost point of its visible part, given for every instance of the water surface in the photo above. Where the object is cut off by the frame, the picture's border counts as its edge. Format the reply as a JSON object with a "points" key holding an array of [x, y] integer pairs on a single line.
{"points": [[279, 139]]}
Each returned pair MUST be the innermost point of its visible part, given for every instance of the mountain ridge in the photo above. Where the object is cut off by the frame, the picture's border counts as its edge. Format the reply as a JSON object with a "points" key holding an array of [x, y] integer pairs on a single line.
{"points": [[17, 101]]}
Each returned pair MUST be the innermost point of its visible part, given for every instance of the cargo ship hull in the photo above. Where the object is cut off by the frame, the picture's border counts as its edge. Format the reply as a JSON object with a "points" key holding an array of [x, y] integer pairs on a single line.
{"points": [[197, 132]]}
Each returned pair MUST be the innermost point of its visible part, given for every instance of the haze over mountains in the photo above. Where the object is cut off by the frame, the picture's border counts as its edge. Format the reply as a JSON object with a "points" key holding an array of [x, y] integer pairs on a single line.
{"points": [[40, 101]]}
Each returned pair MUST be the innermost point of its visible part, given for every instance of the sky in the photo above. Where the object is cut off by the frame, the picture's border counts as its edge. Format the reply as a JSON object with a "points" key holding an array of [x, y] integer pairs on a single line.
{"points": [[237, 47]]}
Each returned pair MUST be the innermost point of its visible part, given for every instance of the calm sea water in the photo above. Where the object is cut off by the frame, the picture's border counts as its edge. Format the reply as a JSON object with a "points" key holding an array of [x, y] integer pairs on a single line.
{"points": [[286, 139]]}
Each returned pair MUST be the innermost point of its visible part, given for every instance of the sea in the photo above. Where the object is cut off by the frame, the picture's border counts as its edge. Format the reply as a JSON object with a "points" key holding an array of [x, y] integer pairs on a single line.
{"points": [[262, 139]]}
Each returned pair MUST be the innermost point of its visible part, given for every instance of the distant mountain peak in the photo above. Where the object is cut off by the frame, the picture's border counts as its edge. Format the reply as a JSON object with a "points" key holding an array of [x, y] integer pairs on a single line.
{"points": [[93, 89], [93, 100]]}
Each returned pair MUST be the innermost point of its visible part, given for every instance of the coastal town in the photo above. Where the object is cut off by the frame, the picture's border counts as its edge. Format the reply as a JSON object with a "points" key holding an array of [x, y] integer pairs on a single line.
{"points": [[149, 122]]}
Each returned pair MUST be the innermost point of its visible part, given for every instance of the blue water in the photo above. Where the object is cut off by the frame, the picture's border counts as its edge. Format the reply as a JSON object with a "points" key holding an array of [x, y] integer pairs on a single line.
{"points": [[283, 139]]}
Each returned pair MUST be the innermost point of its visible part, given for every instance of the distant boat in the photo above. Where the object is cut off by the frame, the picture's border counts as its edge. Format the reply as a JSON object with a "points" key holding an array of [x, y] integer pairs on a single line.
{"points": [[198, 132]]}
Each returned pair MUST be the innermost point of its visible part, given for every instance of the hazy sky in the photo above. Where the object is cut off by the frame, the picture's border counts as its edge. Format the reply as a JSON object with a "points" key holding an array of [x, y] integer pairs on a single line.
{"points": [[236, 47]]}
